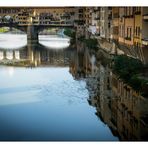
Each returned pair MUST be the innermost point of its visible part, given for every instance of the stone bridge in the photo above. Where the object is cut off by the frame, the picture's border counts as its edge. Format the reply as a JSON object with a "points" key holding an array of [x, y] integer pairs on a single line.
{"points": [[32, 21]]}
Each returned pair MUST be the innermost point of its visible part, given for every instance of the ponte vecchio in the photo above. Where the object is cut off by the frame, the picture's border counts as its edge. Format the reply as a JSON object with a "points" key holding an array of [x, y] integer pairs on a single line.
{"points": [[33, 20]]}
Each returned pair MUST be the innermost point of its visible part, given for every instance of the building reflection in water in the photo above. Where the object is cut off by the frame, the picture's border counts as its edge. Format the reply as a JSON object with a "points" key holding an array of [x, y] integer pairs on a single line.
{"points": [[117, 105], [82, 63]]}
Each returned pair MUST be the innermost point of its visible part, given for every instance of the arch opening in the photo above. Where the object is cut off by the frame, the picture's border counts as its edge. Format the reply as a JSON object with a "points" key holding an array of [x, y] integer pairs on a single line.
{"points": [[53, 38]]}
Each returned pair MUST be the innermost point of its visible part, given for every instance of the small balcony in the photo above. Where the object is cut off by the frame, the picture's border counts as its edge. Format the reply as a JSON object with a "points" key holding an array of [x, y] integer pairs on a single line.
{"points": [[145, 17], [145, 42]]}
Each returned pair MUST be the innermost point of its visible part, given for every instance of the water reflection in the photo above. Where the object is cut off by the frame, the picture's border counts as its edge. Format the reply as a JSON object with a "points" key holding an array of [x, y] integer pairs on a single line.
{"points": [[12, 41], [45, 102], [82, 63], [117, 105], [72, 94], [15, 41], [34, 55], [54, 41]]}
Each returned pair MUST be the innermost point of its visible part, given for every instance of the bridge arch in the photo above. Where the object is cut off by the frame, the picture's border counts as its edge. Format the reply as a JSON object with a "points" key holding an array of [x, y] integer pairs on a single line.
{"points": [[44, 27], [11, 21]]}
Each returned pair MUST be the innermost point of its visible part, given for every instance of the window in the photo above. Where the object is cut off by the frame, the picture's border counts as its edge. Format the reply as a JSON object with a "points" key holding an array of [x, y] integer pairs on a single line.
{"points": [[138, 9], [122, 31], [128, 11], [138, 31], [128, 33]]}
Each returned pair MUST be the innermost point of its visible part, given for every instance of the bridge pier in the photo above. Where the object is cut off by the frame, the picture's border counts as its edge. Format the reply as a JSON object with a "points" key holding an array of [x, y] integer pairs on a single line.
{"points": [[32, 34]]}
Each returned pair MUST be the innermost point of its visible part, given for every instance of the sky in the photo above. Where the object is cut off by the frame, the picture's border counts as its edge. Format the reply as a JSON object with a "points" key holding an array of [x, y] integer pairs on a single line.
{"points": [[74, 3]]}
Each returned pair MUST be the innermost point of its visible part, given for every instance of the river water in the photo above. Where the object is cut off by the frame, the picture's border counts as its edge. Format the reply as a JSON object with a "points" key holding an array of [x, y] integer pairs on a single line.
{"points": [[47, 92]]}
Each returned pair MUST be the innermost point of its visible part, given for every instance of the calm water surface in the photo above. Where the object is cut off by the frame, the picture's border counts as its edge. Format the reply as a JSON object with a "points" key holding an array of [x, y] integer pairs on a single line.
{"points": [[45, 102]]}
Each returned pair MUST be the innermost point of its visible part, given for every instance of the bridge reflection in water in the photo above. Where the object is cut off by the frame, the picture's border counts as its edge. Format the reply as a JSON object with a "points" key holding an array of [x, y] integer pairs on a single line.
{"points": [[41, 54]]}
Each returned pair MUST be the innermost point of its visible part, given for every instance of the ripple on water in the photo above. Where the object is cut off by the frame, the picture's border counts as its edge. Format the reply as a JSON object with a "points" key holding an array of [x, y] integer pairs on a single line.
{"points": [[70, 92]]}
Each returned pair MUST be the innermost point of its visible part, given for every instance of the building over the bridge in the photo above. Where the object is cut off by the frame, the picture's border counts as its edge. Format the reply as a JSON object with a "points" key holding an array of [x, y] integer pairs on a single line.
{"points": [[33, 20], [40, 15]]}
